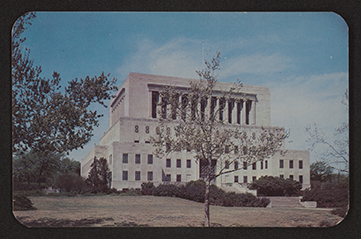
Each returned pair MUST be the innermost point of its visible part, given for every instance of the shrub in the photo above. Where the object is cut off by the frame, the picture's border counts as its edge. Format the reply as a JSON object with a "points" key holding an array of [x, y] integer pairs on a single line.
{"points": [[195, 191], [147, 188], [22, 202], [275, 186], [334, 197], [68, 182]]}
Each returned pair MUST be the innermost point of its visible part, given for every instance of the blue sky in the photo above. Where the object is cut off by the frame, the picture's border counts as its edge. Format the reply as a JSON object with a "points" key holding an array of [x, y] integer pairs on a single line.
{"points": [[302, 57]]}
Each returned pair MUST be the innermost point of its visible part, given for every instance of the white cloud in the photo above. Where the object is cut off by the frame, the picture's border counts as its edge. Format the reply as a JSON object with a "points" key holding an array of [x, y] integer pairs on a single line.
{"points": [[180, 57], [304, 101], [254, 64]]}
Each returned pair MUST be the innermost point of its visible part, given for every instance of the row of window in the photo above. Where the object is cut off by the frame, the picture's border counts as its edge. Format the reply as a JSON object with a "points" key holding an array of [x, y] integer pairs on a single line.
{"points": [[137, 176], [136, 129], [254, 165], [291, 164], [137, 160], [245, 178]]}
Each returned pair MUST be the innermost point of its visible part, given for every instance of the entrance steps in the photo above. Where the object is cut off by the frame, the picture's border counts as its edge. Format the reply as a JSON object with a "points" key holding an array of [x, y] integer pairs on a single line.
{"points": [[285, 202]]}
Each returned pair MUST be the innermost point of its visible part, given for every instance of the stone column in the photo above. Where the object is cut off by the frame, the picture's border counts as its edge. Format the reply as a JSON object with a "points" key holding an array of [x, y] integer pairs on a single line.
{"points": [[253, 113], [207, 111], [243, 112]]}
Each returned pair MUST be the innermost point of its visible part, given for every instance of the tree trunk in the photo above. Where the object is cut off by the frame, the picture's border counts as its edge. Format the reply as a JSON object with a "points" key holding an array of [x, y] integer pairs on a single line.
{"points": [[207, 222]]}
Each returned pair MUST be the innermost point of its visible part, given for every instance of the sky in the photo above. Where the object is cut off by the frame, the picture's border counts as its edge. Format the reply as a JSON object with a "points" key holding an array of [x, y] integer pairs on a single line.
{"points": [[301, 56]]}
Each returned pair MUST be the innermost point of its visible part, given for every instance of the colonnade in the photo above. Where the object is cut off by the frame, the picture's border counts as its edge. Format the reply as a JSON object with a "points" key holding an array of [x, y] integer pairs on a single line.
{"points": [[231, 111]]}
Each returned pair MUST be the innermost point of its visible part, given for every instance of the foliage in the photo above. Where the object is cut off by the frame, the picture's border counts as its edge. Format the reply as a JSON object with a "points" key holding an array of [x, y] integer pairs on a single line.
{"points": [[195, 190], [99, 176], [68, 182], [147, 188], [205, 135], [276, 186], [35, 167], [46, 118], [22, 203], [320, 171]]}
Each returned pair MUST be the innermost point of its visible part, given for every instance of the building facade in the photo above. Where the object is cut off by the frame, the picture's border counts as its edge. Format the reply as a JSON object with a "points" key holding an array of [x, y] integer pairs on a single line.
{"points": [[134, 116]]}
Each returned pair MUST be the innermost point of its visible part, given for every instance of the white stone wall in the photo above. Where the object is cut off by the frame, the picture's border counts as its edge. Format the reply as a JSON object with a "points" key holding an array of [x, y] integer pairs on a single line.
{"points": [[131, 109]]}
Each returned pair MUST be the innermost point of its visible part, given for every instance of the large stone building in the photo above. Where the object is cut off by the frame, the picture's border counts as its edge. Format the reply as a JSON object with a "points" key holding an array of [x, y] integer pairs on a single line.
{"points": [[133, 118]]}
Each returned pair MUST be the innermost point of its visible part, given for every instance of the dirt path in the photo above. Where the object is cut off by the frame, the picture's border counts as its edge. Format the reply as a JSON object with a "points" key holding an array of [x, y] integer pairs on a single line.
{"points": [[110, 211]]}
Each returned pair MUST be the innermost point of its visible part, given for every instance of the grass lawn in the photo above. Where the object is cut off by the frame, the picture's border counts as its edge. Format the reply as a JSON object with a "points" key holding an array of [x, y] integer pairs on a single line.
{"points": [[120, 211]]}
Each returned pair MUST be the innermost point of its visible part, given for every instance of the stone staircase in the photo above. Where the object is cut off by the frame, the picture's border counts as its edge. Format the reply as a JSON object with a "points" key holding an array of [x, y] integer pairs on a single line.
{"points": [[285, 202]]}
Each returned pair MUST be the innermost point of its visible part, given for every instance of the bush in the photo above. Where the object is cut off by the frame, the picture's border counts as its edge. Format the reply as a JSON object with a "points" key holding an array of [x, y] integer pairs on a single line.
{"points": [[329, 198], [23, 186], [195, 191], [147, 188], [68, 182], [22, 202], [275, 186]]}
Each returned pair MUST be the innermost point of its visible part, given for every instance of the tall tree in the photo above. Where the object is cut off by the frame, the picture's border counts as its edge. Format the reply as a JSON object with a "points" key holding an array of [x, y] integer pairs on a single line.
{"points": [[320, 171], [214, 145], [333, 151], [99, 175], [45, 118]]}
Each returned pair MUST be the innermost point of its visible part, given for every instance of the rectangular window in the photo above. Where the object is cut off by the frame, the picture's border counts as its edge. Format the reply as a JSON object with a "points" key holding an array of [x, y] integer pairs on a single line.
{"points": [[227, 164], [236, 149], [265, 164], [137, 175], [167, 177], [179, 163], [168, 163], [235, 165], [281, 163], [245, 165], [291, 177], [300, 164], [254, 178], [150, 158], [137, 158], [254, 166], [125, 175], [282, 176], [236, 179], [179, 177], [125, 158], [291, 163], [300, 179], [244, 179], [155, 98], [189, 163], [150, 176], [261, 164]]}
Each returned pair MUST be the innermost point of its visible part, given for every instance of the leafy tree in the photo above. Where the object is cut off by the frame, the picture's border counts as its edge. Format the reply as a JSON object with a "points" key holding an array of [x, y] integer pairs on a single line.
{"points": [[69, 166], [69, 182], [335, 152], [320, 171], [276, 186], [46, 118], [99, 175], [214, 145], [28, 168]]}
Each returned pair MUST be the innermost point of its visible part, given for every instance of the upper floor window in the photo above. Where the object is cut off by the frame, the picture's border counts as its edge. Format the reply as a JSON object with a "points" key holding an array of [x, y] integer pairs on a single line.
{"points": [[236, 165], [291, 163], [137, 175], [227, 164], [179, 163], [136, 129], [168, 163], [137, 158], [189, 163], [281, 163], [245, 165], [300, 164], [150, 158], [125, 158], [254, 166], [147, 129]]}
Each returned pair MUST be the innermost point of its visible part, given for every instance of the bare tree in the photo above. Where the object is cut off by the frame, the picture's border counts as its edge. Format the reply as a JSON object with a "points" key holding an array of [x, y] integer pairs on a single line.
{"points": [[335, 151], [184, 124]]}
